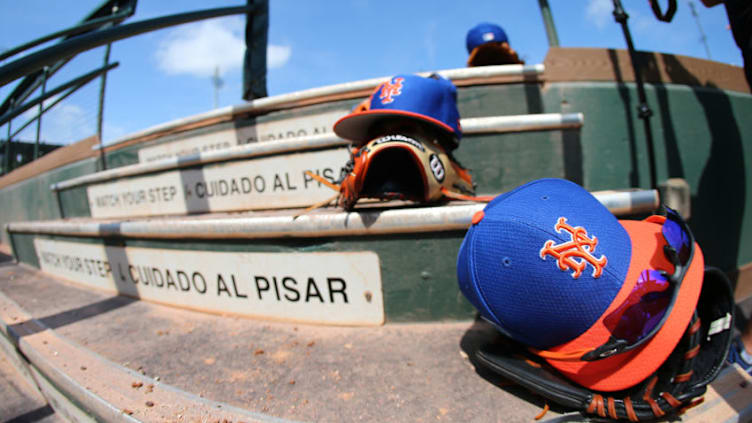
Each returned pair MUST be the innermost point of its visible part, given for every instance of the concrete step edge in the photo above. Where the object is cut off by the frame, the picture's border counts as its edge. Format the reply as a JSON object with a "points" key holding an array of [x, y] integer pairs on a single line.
{"points": [[92, 388]]}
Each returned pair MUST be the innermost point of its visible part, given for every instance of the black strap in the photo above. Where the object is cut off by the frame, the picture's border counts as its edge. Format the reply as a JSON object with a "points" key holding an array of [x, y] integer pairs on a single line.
{"points": [[670, 10]]}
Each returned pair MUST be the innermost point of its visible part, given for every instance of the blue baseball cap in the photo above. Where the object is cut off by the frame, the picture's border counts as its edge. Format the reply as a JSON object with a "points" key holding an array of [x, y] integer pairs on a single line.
{"points": [[546, 263], [484, 33], [431, 100]]}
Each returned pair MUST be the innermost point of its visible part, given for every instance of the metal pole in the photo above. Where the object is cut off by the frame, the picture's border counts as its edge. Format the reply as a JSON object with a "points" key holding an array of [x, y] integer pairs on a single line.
{"points": [[548, 22], [643, 110], [703, 38], [102, 159], [6, 166], [41, 110]]}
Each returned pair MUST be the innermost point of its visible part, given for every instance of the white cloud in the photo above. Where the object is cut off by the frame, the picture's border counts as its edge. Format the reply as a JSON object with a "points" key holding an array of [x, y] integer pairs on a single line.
{"points": [[66, 123], [277, 56], [197, 49], [599, 12]]}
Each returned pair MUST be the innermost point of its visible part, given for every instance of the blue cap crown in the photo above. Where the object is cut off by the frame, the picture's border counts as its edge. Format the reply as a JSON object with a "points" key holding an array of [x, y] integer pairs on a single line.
{"points": [[484, 33], [434, 98], [544, 262]]}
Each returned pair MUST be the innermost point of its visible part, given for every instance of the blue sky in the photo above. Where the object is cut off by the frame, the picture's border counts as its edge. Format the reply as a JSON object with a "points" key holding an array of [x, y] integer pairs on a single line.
{"points": [[166, 74]]}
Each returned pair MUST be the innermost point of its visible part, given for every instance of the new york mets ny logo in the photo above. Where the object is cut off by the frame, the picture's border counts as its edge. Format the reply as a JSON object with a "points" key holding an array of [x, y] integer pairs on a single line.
{"points": [[575, 254], [388, 90]]}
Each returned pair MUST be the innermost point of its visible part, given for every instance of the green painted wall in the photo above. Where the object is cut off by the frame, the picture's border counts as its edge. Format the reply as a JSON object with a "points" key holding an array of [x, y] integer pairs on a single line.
{"points": [[32, 199]]}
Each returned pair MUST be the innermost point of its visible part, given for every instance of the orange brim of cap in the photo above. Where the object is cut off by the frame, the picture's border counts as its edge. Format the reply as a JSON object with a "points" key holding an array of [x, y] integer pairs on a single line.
{"points": [[627, 369]]}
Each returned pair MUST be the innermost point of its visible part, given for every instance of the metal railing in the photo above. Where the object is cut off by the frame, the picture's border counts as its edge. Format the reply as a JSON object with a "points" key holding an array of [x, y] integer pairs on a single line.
{"points": [[101, 28]]}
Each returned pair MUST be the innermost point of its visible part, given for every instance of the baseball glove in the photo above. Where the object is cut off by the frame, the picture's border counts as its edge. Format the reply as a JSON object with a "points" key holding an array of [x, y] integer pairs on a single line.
{"points": [[494, 54], [678, 384], [399, 167]]}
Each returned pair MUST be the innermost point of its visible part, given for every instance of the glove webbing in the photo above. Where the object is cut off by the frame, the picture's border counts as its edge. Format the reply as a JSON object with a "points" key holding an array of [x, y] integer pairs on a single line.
{"points": [[336, 187]]}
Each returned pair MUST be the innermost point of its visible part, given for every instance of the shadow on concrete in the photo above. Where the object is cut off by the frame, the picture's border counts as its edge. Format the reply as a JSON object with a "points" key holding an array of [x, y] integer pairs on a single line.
{"points": [[41, 414], [482, 335], [629, 109], [67, 317], [720, 196]]}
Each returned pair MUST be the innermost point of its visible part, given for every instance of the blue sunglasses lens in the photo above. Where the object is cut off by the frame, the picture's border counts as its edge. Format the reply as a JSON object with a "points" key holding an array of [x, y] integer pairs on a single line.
{"points": [[643, 309], [677, 238]]}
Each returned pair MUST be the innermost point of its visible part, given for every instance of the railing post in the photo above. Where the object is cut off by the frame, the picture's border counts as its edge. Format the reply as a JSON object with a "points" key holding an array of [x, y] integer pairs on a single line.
{"points": [[102, 159], [643, 109], [6, 159], [41, 110], [548, 22]]}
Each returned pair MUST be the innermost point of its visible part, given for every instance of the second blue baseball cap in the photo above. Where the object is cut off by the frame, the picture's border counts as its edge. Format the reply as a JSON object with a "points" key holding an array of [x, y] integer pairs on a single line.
{"points": [[431, 100], [484, 33]]}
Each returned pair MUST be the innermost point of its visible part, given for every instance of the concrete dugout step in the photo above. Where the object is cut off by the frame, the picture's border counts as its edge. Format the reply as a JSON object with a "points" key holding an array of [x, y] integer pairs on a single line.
{"points": [[126, 360], [115, 359], [21, 402]]}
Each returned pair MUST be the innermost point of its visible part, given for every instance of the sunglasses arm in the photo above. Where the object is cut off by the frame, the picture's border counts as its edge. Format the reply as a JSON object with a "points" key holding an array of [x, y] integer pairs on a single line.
{"points": [[613, 346]]}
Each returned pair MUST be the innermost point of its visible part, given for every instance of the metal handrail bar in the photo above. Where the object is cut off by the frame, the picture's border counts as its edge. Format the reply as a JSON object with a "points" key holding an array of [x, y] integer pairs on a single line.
{"points": [[88, 41], [483, 125], [81, 80], [322, 223], [45, 109], [74, 30], [287, 100], [98, 17]]}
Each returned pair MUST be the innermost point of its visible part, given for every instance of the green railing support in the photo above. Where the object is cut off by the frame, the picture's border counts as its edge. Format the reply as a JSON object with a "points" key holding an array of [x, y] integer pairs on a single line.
{"points": [[39, 116], [72, 31], [100, 111], [548, 22], [643, 109], [6, 165]]}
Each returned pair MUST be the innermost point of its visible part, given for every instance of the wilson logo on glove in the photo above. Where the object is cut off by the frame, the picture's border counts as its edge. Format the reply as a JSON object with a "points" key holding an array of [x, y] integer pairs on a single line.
{"points": [[437, 167]]}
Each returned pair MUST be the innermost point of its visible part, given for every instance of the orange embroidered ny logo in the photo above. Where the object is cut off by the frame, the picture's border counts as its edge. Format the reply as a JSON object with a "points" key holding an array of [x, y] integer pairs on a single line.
{"points": [[388, 90], [576, 254]]}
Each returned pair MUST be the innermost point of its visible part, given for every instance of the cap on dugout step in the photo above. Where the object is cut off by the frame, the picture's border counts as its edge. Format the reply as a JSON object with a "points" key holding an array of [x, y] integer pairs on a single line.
{"points": [[406, 98], [484, 33], [552, 268]]}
